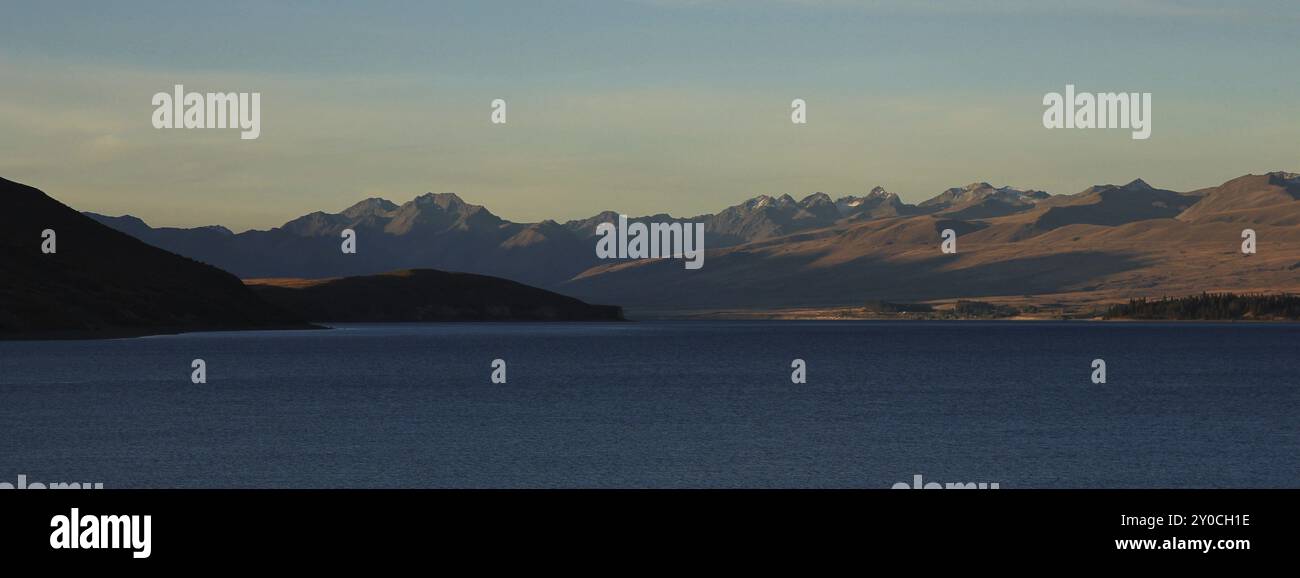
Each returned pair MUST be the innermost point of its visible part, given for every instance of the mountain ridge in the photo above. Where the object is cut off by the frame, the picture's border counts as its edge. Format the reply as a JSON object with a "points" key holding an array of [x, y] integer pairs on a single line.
{"points": [[758, 237]]}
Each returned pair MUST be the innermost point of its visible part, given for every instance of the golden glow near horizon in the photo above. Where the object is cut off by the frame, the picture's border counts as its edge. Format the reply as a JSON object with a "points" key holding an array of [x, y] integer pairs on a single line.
{"points": [[640, 107]]}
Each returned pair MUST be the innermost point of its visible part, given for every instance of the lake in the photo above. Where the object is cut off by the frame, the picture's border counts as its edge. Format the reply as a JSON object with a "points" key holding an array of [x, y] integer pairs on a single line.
{"points": [[662, 404]]}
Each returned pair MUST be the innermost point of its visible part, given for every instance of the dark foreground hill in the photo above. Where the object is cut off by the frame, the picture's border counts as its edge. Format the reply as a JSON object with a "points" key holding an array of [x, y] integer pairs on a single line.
{"points": [[426, 295], [102, 283]]}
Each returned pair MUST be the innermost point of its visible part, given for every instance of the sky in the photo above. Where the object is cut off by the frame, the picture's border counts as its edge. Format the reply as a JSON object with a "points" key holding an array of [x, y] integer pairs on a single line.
{"points": [[637, 106]]}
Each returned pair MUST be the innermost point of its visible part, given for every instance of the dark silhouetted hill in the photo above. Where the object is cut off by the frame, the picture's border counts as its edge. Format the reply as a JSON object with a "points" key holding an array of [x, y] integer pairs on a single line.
{"points": [[101, 282], [426, 295]]}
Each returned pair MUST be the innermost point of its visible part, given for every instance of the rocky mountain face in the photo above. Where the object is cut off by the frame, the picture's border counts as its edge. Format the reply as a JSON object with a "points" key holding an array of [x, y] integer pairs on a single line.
{"points": [[981, 201], [877, 204]]}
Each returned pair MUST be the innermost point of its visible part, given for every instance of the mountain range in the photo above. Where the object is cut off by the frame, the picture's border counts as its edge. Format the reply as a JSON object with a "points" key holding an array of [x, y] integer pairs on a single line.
{"points": [[1107, 242], [442, 231]]}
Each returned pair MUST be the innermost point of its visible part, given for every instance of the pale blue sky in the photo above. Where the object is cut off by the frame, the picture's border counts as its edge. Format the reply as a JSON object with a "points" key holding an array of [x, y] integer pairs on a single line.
{"points": [[637, 106]]}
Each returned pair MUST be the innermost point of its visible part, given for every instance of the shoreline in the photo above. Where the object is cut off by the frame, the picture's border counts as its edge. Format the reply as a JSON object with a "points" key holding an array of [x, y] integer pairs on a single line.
{"points": [[913, 318], [131, 332], [702, 316]]}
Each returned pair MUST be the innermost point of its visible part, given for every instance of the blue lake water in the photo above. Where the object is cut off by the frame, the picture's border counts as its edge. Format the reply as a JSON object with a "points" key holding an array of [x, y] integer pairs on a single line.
{"points": [[662, 404]]}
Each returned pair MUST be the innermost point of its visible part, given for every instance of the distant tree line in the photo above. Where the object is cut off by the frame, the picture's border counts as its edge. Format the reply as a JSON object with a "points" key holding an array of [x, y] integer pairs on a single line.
{"points": [[981, 309], [963, 309], [1211, 306]]}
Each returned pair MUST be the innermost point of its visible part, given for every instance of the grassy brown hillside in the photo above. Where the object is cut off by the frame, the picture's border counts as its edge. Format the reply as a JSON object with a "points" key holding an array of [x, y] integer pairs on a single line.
{"points": [[1105, 244], [1269, 198]]}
